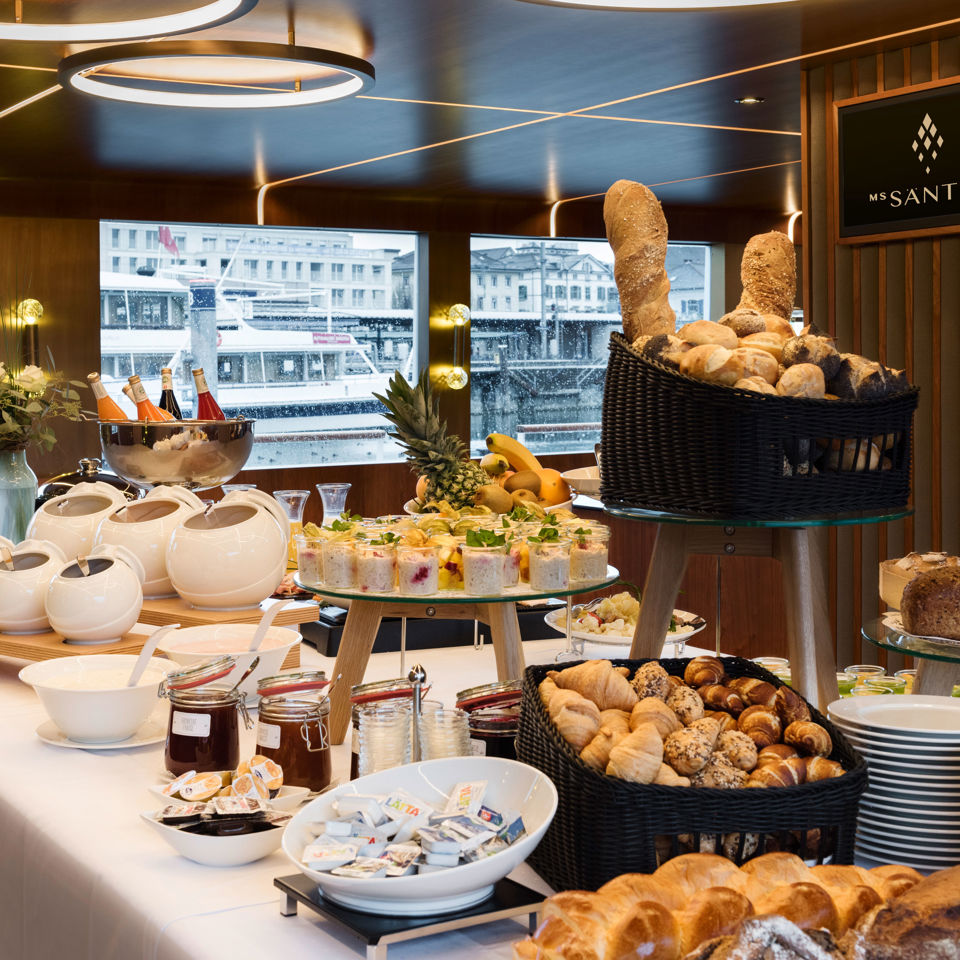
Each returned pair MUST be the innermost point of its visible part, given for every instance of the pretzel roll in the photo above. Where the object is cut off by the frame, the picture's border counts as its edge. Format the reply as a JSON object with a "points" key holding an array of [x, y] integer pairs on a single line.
{"points": [[809, 738], [761, 725], [791, 706], [703, 670], [819, 768], [723, 718], [755, 692], [718, 697], [785, 773], [776, 752]]}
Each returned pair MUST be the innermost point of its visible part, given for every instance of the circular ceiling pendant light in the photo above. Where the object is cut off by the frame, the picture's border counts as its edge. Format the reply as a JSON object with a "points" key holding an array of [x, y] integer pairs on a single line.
{"points": [[674, 5], [197, 17], [216, 74]]}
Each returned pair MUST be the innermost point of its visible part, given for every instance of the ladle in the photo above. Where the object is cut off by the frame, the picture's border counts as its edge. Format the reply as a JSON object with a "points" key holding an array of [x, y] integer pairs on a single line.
{"points": [[264, 624], [147, 652]]}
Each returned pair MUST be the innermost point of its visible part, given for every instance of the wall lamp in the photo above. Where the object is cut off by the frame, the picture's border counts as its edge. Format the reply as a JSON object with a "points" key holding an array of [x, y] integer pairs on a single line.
{"points": [[459, 316], [29, 313]]}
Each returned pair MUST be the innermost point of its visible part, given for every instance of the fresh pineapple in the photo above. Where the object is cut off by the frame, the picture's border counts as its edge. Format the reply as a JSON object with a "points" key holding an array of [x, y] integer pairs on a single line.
{"points": [[415, 413]]}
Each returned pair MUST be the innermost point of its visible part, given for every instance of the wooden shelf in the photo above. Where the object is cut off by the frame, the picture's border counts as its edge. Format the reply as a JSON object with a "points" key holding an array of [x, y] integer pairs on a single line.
{"points": [[176, 610]]}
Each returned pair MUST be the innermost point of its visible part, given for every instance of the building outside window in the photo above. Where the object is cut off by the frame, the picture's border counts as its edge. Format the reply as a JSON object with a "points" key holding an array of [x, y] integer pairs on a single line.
{"points": [[289, 353], [538, 363]]}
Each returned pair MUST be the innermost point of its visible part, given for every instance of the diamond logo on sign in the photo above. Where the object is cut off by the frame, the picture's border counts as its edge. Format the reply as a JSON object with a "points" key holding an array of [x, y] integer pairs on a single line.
{"points": [[928, 143]]}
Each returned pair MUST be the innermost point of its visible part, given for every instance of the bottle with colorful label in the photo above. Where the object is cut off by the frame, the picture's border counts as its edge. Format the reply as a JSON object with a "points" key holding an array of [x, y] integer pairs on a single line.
{"points": [[207, 407], [146, 408], [168, 399], [107, 407]]}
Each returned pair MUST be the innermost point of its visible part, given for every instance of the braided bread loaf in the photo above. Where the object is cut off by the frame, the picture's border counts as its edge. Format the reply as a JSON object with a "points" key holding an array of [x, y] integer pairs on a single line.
{"points": [[699, 896]]}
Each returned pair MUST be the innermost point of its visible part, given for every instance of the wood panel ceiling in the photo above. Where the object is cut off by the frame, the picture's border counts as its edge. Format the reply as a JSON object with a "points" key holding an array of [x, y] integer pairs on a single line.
{"points": [[475, 97]]}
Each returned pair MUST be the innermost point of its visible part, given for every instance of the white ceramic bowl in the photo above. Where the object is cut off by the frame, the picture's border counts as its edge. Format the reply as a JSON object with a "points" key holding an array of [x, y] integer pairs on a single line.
{"points": [[231, 556], [144, 527], [71, 520], [23, 590], [194, 644], [101, 607], [510, 785], [104, 715], [585, 480], [288, 798], [217, 851]]}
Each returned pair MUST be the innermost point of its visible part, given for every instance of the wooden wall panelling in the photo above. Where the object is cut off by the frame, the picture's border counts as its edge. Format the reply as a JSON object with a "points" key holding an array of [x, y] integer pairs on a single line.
{"points": [[949, 364]]}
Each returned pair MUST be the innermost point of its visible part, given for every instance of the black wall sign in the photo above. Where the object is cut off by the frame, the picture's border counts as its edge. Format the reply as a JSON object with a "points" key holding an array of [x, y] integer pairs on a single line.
{"points": [[899, 164]]}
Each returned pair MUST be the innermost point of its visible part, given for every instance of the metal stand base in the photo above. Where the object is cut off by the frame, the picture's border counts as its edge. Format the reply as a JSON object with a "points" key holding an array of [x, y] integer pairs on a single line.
{"points": [[508, 899]]}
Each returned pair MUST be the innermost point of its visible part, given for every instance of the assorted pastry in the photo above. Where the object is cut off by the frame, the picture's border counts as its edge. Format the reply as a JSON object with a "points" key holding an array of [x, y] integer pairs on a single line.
{"points": [[701, 730], [703, 902]]}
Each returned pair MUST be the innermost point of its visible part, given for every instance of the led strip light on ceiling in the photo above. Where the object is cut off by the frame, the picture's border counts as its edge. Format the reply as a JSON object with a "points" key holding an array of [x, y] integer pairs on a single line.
{"points": [[674, 5], [86, 72], [196, 18]]}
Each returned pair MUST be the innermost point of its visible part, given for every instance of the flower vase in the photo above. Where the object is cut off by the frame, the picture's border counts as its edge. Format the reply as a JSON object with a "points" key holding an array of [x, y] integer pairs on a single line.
{"points": [[18, 493]]}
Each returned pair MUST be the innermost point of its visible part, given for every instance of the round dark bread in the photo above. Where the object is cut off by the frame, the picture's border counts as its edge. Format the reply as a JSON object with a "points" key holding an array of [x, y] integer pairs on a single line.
{"points": [[931, 604]]}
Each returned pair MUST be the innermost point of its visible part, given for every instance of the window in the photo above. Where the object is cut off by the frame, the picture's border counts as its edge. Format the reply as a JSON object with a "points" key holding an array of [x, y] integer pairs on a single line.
{"points": [[358, 271], [153, 240], [336, 271], [132, 237], [493, 280], [507, 281], [559, 341], [300, 359]]}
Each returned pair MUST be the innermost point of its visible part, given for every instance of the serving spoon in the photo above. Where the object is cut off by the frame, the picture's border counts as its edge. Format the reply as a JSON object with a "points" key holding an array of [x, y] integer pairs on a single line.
{"points": [[147, 652], [264, 624]]}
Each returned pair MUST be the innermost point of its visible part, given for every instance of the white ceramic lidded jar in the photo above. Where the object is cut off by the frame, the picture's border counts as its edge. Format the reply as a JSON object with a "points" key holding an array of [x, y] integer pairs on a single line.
{"points": [[71, 520], [232, 555], [96, 598], [144, 527], [23, 590]]}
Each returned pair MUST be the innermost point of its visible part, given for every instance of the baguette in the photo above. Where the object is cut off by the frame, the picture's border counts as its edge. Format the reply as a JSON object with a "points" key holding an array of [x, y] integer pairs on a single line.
{"points": [[768, 272], [637, 233]]}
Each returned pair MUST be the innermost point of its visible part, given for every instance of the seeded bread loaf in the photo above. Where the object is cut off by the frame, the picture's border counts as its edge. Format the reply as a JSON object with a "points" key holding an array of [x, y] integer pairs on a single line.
{"points": [[930, 605]]}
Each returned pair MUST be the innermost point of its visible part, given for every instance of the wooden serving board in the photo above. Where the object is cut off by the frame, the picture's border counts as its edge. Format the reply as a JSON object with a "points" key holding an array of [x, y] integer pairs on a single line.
{"points": [[176, 610], [50, 645]]}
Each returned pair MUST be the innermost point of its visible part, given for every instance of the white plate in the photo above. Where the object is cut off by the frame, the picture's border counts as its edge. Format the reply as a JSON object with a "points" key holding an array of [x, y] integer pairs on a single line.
{"points": [[907, 751], [557, 619], [894, 621], [881, 859], [916, 713], [903, 854], [877, 821], [905, 737], [945, 847], [289, 798], [153, 731], [585, 480], [880, 774]]}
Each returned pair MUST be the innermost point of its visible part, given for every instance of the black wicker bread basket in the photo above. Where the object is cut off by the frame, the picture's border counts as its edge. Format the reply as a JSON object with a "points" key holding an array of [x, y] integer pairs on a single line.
{"points": [[605, 826], [673, 443]]}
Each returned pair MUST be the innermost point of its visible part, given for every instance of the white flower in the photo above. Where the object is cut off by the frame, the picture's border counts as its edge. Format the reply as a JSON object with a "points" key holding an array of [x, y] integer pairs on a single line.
{"points": [[31, 379]]}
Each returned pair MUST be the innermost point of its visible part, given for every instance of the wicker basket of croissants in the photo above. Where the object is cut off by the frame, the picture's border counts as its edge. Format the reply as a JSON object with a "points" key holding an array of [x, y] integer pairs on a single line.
{"points": [[653, 759]]}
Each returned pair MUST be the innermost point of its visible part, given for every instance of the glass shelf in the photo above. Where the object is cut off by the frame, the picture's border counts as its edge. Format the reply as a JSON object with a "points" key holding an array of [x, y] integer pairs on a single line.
{"points": [[512, 595], [699, 519], [880, 635]]}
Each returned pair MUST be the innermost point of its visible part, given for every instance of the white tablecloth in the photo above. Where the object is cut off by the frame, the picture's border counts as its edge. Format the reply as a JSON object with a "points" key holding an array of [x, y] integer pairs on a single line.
{"points": [[81, 876]]}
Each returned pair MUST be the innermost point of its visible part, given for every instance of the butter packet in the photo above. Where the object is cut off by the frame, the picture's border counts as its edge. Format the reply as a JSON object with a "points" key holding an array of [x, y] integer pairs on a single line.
{"points": [[490, 816], [402, 804], [365, 806], [172, 789], [513, 828], [473, 831], [488, 849], [328, 855], [363, 867], [400, 858], [466, 797], [435, 840], [237, 807], [202, 786]]}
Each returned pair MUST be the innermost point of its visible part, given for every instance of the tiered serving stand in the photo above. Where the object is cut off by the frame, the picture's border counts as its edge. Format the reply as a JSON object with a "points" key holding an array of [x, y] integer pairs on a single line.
{"points": [[939, 668]]}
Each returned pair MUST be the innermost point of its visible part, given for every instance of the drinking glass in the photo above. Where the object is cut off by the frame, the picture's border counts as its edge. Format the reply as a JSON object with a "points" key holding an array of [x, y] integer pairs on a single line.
{"points": [[334, 497], [383, 737], [444, 733], [293, 502]]}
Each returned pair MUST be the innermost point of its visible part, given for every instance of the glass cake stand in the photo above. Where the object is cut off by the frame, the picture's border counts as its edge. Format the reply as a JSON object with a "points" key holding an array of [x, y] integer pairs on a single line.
{"points": [[938, 669], [365, 610]]}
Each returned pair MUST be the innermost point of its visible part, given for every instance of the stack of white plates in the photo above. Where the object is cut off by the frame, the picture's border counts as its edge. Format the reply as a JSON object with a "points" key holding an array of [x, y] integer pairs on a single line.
{"points": [[910, 812]]}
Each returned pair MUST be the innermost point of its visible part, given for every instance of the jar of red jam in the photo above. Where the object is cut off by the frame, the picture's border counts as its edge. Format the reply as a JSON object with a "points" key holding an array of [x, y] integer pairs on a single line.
{"points": [[293, 727], [493, 711], [381, 691], [203, 732]]}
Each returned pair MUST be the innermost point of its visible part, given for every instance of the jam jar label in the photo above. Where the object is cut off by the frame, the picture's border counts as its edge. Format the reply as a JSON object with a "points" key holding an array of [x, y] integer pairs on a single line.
{"points": [[190, 724], [268, 735], [478, 748]]}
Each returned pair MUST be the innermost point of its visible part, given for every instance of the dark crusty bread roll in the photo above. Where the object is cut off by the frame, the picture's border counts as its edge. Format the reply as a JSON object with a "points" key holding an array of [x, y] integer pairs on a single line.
{"points": [[664, 347], [819, 351], [860, 379], [930, 606]]}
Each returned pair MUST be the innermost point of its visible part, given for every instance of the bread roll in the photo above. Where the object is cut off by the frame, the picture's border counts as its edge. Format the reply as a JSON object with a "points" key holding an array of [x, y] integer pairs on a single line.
{"points": [[712, 363], [651, 680], [755, 384], [713, 912], [709, 728], [757, 363], [687, 751], [809, 738], [738, 748], [857, 378], [856, 455], [802, 380], [778, 325], [744, 322], [806, 904], [705, 331], [637, 232], [768, 272], [686, 704], [771, 342], [664, 348], [761, 725], [819, 351], [930, 605], [720, 773]]}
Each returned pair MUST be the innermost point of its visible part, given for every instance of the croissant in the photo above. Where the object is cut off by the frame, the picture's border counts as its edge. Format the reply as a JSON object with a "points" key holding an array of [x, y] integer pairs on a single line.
{"points": [[547, 689], [598, 681], [652, 710], [785, 773], [718, 697], [755, 692], [724, 719], [760, 725], [596, 753], [819, 768], [774, 753], [637, 757], [686, 704], [615, 718], [669, 777], [687, 751], [738, 748], [576, 717], [703, 670], [651, 680], [791, 706], [809, 738]]}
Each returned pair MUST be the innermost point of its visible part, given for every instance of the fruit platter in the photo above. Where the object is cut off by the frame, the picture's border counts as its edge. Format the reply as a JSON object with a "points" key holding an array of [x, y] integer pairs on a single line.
{"points": [[447, 481]]}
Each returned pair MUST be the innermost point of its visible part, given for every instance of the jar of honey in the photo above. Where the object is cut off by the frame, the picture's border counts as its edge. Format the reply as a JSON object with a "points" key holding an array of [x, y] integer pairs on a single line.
{"points": [[203, 732], [293, 727]]}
